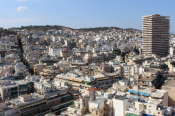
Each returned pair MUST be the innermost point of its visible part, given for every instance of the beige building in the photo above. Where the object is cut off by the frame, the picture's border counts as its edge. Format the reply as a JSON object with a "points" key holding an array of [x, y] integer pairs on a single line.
{"points": [[38, 68], [170, 86], [155, 35], [87, 58], [89, 104]]}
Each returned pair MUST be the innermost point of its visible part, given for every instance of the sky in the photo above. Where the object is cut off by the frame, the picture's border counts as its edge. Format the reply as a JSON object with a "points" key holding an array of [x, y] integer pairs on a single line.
{"points": [[83, 13]]}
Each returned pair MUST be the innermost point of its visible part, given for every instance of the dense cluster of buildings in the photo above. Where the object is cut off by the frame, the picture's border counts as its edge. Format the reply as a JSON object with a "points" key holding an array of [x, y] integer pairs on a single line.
{"points": [[115, 72]]}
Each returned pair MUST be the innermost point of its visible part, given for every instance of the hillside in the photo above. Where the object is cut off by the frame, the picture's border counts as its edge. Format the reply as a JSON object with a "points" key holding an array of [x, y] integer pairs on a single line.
{"points": [[6, 32], [58, 27], [45, 28], [42, 27], [97, 29]]}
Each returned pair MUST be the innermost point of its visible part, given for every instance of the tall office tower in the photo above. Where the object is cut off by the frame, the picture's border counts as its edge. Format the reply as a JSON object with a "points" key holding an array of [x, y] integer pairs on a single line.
{"points": [[155, 35]]}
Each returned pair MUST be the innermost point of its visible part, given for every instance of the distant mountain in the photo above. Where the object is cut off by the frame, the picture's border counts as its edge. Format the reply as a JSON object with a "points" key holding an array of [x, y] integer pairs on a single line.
{"points": [[97, 29], [43, 27], [6, 32], [58, 27]]}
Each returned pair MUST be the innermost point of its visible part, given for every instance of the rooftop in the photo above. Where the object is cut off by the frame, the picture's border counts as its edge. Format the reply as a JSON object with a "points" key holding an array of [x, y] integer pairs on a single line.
{"points": [[91, 89], [170, 83], [147, 79], [96, 104]]}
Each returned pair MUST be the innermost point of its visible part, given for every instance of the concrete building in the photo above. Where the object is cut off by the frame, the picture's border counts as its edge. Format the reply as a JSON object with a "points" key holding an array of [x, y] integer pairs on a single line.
{"points": [[66, 53], [119, 110], [8, 110], [38, 68], [170, 86], [87, 58], [89, 104], [8, 90], [155, 34]]}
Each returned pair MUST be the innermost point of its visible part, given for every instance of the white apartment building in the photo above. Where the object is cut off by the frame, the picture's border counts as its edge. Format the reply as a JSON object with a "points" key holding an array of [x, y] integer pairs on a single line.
{"points": [[56, 51]]}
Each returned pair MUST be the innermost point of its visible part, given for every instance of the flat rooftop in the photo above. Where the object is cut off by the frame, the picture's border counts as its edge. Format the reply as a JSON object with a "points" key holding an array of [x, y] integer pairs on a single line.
{"points": [[150, 79], [170, 83], [170, 74]]}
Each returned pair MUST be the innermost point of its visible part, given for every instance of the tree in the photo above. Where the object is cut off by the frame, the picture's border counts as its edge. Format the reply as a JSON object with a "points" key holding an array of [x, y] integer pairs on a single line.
{"points": [[136, 50], [19, 36]]}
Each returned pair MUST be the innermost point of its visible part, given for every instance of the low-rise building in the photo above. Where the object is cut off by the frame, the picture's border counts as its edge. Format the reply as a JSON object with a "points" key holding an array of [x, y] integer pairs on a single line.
{"points": [[170, 86]]}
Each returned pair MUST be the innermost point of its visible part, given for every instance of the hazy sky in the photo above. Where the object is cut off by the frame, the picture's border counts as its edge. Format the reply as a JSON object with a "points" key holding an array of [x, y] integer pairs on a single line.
{"points": [[83, 13]]}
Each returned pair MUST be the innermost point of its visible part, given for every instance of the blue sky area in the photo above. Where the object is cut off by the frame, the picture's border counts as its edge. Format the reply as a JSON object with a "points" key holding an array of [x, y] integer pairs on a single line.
{"points": [[83, 13]]}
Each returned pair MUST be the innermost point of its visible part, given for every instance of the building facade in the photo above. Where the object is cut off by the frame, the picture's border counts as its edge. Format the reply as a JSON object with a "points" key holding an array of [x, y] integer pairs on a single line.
{"points": [[155, 35]]}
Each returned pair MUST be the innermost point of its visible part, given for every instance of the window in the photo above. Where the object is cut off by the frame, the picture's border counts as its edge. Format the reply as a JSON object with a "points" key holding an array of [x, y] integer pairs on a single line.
{"points": [[144, 107], [149, 111], [140, 106]]}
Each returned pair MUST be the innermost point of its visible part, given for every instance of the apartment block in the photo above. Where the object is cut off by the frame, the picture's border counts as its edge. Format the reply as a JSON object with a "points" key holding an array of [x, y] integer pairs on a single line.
{"points": [[155, 35]]}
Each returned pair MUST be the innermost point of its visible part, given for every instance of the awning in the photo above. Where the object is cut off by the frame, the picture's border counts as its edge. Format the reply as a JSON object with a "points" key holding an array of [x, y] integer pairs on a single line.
{"points": [[44, 108], [112, 77], [87, 82], [117, 76], [30, 112], [23, 85], [67, 98], [143, 93], [77, 80], [14, 93], [51, 72], [85, 85], [134, 115], [69, 83], [106, 78], [71, 79], [62, 105], [130, 114], [99, 79], [15, 88], [31, 105], [61, 71], [75, 94], [76, 84], [133, 91], [132, 97], [93, 82], [80, 81]]}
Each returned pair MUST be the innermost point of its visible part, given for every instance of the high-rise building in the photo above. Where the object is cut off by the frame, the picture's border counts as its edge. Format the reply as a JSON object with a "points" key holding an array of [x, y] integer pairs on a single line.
{"points": [[155, 35]]}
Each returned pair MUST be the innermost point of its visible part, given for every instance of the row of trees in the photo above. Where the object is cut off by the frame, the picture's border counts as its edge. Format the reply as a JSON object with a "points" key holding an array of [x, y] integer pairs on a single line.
{"points": [[136, 50], [6, 32], [96, 29]]}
